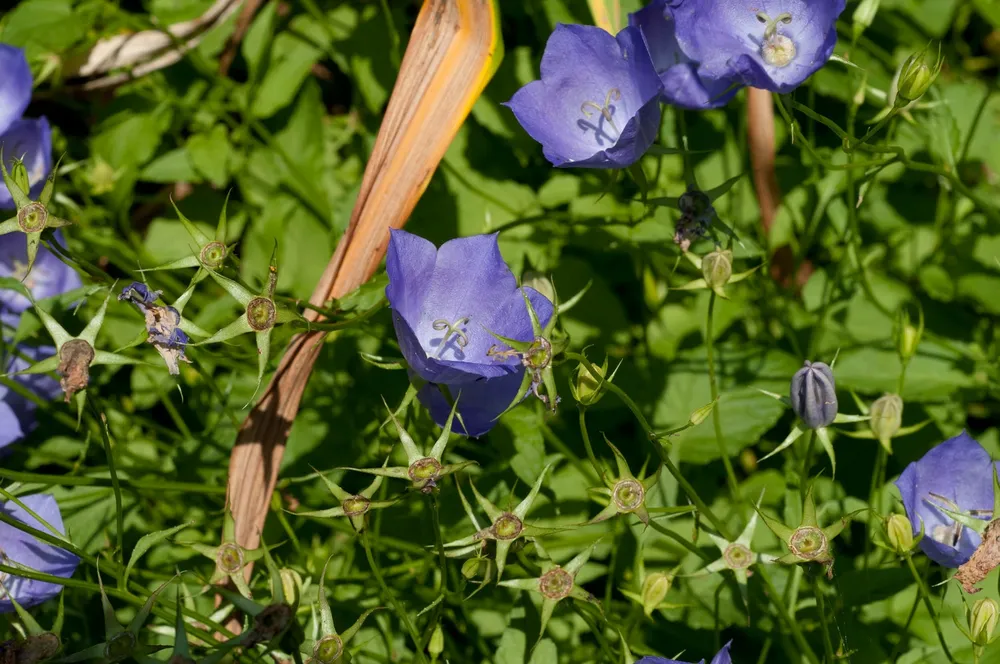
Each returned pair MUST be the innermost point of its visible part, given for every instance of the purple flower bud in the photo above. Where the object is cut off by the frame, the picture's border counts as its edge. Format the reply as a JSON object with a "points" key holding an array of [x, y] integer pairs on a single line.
{"points": [[814, 395], [445, 304], [770, 44], [18, 549], [956, 475], [30, 140], [596, 105], [682, 85], [15, 85]]}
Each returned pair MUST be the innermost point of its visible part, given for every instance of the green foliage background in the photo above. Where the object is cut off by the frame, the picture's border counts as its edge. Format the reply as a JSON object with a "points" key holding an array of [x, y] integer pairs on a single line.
{"points": [[288, 134]]}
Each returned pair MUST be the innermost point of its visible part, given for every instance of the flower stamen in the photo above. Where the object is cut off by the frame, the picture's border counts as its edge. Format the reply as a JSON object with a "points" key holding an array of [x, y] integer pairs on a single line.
{"points": [[776, 49], [461, 338], [606, 111]]}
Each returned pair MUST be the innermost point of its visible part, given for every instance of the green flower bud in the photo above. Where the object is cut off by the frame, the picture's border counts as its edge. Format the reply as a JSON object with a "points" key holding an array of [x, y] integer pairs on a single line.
{"points": [[654, 590], [887, 418], [914, 77], [983, 621], [587, 389], [908, 335], [475, 567], [717, 268], [699, 415], [291, 585], [899, 533], [19, 174], [436, 645]]}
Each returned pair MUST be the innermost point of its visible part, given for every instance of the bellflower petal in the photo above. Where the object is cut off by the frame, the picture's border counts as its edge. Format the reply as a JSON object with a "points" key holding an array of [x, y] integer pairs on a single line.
{"points": [[15, 85], [17, 412], [447, 304], [29, 139], [682, 86], [722, 657], [770, 44], [479, 402], [444, 311], [596, 105], [960, 472], [49, 276], [18, 549]]}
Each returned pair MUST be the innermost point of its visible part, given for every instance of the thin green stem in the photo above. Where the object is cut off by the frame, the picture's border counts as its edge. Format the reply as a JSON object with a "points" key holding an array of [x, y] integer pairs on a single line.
{"points": [[926, 596], [132, 485], [102, 423], [790, 622], [713, 385], [807, 458], [671, 467], [967, 142], [586, 443], [823, 621], [400, 610]]}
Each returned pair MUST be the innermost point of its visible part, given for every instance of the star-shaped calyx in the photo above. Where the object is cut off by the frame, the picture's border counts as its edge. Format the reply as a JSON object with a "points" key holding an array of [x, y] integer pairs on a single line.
{"points": [[230, 558], [267, 623], [352, 505], [536, 356], [506, 527], [808, 543], [260, 316], [326, 645], [36, 644], [626, 494], [75, 355], [738, 556], [211, 254], [556, 584], [423, 470], [33, 217], [121, 643]]}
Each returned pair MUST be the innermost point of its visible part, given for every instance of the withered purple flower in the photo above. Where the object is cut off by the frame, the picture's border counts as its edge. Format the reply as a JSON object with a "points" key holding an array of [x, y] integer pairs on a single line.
{"points": [[162, 324]]}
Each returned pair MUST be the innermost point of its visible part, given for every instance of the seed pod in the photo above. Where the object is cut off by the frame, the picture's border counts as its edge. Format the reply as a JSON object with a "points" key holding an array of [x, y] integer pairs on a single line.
{"points": [[717, 268], [887, 417], [983, 621], [813, 394], [654, 591], [436, 645], [899, 533]]}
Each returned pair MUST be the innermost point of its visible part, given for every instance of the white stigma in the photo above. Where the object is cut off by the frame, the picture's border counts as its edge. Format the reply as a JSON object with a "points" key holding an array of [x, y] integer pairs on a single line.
{"points": [[778, 50], [947, 535]]}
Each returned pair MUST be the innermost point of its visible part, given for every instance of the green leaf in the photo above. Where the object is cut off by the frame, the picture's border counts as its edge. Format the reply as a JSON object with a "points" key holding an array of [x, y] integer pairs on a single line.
{"points": [[146, 542], [209, 153], [41, 26]]}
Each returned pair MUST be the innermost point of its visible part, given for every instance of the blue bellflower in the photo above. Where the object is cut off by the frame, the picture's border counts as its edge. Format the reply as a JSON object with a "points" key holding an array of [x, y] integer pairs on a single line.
{"points": [[722, 657], [49, 276], [15, 85], [18, 549], [17, 412], [956, 475], [445, 304], [769, 44], [596, 105], [682, 85]]}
